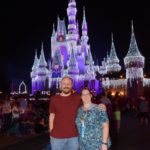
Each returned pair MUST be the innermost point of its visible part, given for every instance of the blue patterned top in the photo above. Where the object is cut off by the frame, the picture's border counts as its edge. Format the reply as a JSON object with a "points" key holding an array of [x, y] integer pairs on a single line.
{"points": [[89, 124]]}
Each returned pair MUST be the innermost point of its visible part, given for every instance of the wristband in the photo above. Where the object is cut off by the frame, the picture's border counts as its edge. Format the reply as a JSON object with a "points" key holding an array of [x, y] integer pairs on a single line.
{"points": [[104, 143]]}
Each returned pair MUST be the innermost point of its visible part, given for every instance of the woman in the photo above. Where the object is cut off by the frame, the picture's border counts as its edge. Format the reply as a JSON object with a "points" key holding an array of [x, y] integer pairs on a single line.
{"points": [[93, 125]]}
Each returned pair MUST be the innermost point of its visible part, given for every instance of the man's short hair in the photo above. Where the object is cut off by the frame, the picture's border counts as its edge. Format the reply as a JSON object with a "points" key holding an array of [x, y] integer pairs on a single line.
{"points": [[68, 78]]}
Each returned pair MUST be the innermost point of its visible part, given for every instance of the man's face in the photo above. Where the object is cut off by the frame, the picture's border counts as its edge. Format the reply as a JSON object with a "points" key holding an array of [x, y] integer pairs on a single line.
{"points": [[66, 85]]}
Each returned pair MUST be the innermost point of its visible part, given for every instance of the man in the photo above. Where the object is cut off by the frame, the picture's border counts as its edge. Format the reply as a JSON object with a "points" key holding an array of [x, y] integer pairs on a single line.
{"points": [[63, 110]]}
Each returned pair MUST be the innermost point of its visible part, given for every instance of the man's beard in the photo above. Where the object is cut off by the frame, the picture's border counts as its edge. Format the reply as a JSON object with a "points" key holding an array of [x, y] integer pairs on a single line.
{"points": [[66, 90]]}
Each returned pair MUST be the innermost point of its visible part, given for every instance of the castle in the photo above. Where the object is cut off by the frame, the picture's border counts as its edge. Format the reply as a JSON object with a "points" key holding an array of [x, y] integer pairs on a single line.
{"points": [[71, 55]]}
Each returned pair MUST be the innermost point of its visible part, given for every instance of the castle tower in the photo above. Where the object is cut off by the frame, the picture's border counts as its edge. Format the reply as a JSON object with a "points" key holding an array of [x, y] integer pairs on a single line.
{"points": [[53, 41], [34, 73], [61, 38], [73, 65], [103, 68], [72, 36], [61, 30], [84, 37], [42, 73], [90, 68], [113, 61], [57, 64], [70, 55], [134, 64]]}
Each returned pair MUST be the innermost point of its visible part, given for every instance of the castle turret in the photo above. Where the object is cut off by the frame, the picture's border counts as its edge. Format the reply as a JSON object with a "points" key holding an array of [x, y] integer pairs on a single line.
{"points": [[42, 72], [113, 61], [34, 73], [61, 30], [90, 68], [72, 36], [103, 67], [84, 25], [72, 28], [57, 64], [53, 41], [73, 65], [35, 65], [134, 64], [57, 60], [84, 37]]}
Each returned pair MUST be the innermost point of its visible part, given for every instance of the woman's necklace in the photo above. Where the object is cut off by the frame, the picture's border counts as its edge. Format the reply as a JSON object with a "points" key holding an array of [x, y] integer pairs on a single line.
{"points": [[82, 119]]}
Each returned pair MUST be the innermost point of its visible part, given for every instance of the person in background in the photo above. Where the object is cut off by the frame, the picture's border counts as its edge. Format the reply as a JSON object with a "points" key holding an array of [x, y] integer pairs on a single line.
{"points": [[93, 124], [143, 111], [106, 101], [117, 112]]}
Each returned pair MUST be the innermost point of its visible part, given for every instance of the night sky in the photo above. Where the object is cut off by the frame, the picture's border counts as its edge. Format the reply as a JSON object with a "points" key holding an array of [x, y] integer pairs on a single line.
{"points": [[25, 24]]}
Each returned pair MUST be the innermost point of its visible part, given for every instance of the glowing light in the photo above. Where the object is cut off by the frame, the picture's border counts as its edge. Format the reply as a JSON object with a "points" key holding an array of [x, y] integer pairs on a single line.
{"points": [[113, 93], [146, 82], [121, 93], [107, 83], [121, 76]]}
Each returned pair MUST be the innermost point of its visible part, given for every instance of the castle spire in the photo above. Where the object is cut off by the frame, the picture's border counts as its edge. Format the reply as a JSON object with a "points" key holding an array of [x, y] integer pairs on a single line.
{"points": [[134, 59], [133, 48], [71, 1], [73, 66], [107, 57], [112, 60], [90, 69], [84, 23], [78, 30], [84, 37], [90, 55], [42, 61], [64, 27], [57, 60], [134, 64], [58, 25], [72, 26], [35, 64], [113, 54], [53, 32]]}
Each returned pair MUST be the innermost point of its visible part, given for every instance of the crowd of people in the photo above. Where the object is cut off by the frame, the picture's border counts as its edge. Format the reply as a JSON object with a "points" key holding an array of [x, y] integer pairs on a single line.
{"points": [[22, 116]]}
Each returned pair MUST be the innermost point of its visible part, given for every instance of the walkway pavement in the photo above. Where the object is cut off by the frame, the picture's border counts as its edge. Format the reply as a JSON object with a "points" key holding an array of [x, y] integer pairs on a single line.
{"points": [[130, 137], [26, 142]]}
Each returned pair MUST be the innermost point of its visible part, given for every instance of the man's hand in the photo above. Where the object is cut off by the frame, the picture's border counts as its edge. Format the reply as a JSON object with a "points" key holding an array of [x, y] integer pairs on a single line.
{"points": [[102, 106]]}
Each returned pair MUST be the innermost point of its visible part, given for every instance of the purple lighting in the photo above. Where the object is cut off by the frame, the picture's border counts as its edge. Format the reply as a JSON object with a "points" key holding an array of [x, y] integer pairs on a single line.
{"points": [[70, 55]]}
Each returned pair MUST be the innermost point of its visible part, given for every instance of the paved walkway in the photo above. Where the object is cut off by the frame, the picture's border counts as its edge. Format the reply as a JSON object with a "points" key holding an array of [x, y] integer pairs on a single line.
{"points": [[130, 137], [26, 142]]}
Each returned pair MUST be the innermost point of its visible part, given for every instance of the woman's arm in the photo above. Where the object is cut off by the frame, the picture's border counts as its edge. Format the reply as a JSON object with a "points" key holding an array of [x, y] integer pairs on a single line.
{"points": [[105, 134]]}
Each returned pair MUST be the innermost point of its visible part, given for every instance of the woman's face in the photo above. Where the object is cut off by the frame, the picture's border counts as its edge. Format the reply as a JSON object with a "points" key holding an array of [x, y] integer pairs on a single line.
{"points": [[86, 96]]}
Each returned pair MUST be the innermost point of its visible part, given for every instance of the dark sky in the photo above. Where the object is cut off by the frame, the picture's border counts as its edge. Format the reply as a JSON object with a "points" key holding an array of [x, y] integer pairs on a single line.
{"points": [[24, 24]]}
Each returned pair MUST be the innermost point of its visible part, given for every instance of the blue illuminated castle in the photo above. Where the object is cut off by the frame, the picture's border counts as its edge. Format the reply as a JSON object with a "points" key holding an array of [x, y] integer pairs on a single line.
{"points": [[70, 55]]}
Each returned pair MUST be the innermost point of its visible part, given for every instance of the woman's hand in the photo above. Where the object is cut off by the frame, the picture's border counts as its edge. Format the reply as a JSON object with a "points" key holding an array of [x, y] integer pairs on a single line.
{"points": [[104, 147]]}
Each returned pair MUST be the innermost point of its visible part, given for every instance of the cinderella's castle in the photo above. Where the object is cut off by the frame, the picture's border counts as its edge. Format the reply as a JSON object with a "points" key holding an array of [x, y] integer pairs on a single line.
{"points": [[71, 55]]}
